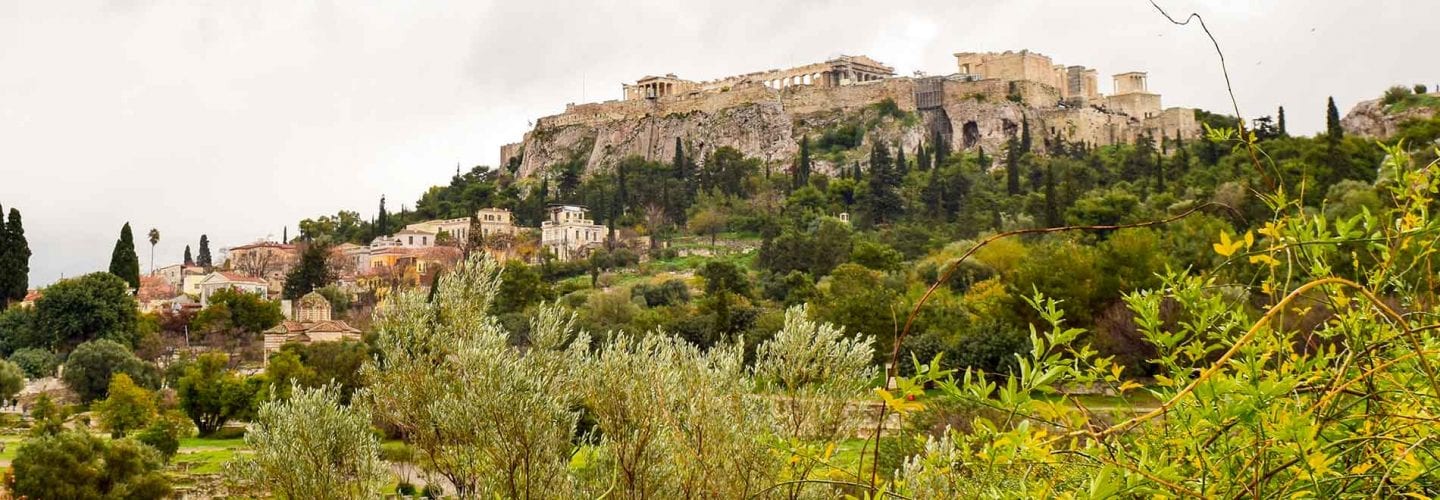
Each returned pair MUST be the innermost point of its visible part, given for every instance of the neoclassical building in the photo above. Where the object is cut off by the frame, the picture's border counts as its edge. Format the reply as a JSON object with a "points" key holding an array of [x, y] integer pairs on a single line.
{"points": [[569, 232]]}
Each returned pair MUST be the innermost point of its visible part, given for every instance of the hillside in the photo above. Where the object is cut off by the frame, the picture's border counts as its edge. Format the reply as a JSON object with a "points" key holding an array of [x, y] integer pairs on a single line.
{"points": [[1383, 117], [968, 111]]}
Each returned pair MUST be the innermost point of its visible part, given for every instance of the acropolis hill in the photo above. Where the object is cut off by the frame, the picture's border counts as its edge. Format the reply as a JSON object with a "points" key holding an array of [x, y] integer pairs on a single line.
{"points": [[764, 114]]}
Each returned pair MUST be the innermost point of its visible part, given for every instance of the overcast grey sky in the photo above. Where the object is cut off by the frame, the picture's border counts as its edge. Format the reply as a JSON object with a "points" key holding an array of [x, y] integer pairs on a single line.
{"points": [[238, 118]]}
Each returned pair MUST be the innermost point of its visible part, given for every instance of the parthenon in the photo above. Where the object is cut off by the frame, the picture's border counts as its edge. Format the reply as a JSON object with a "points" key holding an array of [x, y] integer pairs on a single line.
{"points": [[840, 71]]}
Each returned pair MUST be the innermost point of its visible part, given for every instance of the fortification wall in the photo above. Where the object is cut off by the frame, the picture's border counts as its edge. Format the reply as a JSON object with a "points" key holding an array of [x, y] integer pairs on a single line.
{"points": [[767, 123]]}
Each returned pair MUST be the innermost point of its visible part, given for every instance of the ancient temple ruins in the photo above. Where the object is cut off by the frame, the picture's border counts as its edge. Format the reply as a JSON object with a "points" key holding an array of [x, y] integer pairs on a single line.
{"points": [[843, 70]]}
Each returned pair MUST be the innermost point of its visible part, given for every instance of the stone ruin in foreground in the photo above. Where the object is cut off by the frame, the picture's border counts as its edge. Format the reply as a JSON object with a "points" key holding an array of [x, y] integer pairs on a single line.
{"points": [[764, 114]]}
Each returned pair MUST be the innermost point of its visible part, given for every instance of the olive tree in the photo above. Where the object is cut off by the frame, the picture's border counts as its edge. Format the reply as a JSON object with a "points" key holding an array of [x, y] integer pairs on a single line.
{"points": [[483, 415], [311, 446]]}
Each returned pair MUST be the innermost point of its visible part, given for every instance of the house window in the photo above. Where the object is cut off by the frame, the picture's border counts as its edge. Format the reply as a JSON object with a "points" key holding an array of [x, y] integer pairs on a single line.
{"points": [[412, 239]]}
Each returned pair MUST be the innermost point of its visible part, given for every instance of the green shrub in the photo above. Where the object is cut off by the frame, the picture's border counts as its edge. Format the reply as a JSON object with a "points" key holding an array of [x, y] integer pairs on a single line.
{"points": [[36, 362]]}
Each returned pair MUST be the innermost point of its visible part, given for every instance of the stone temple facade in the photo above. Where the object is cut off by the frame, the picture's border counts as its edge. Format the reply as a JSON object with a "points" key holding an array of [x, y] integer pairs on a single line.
{"points": [[843, 70], [765, 114]]}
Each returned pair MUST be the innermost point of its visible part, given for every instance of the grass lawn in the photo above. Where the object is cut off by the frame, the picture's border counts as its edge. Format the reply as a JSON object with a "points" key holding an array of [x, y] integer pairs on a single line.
{"points": [[205, 456], [11, 444]]}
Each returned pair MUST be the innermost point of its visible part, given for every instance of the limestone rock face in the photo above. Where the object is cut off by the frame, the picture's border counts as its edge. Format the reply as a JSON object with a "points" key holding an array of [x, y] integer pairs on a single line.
{"points": [[1371, 119], [768, 124]]}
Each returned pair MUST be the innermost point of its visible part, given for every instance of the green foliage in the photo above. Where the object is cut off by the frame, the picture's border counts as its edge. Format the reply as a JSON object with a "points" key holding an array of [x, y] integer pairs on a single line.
{"points": [[77, 310], [203, 259], [1396, 94], [164, 433], [237, 310], [12, 380], [483, 416], [126, 408], [77, 465], [816, 252], [321, 364], [669, 293], [17, 329], [36, 363], [212, 395], [312, 273], [14, 260], [311, 446], [123, 260], [90, 366], [859, 300], [876, 255]]}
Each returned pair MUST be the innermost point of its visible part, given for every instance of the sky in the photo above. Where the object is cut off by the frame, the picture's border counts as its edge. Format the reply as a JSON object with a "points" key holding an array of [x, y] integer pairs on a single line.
{"points": [[237, 119]]}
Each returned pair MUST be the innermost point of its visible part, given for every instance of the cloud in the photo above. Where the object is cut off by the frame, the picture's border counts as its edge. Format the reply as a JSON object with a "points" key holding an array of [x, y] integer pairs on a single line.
{"points": [[235, 119]]}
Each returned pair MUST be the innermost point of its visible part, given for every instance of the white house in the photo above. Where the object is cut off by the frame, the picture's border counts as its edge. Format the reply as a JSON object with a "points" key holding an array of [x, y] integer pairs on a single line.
{"points": [[569, 231], [222, 280]]}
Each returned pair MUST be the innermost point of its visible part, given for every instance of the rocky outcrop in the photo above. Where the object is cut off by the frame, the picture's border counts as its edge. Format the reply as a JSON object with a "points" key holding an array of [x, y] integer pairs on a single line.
{"points": [[1375, 120], [767, 123]]}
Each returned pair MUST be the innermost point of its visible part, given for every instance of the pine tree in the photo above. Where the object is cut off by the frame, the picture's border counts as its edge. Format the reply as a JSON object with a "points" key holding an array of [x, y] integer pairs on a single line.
{"points": [[1332, 121], [123, 260], [312, 273], [203, 258], [189, 260], [922, 158], [1281, 124], [14, 260]]}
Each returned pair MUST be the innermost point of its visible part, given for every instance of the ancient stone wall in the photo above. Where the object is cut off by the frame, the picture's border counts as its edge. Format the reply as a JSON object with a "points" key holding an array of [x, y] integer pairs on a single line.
{"points": [[767, 123]]}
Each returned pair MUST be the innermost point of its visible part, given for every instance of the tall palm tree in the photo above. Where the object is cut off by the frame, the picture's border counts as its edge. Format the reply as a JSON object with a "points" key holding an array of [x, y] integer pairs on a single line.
{"points": [[154, 238]]}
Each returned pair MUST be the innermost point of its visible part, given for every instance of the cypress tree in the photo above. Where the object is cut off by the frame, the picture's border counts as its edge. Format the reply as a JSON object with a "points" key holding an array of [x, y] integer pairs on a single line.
{"points": [[1332, 121], [14, 260], [1012, 167], [883, 203], [382, 222], [678, 162], [189, 260], [922, 158], [6, 273], [856, 173], [203, 258], [934, 195], [901, 167], [285, 234], [1281, 123], [123, 260], [942, 150], [982, 160], [802, 167], [1025, 136], [1052, 212]]}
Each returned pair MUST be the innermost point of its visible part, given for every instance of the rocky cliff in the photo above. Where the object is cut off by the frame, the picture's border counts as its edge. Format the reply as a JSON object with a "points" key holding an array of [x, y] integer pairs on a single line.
{"points": [[768, 124], [1376, 120]]}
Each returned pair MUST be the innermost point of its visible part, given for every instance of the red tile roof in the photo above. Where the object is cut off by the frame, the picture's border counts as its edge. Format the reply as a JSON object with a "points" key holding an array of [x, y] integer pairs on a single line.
{"points": [[240, 278]]}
